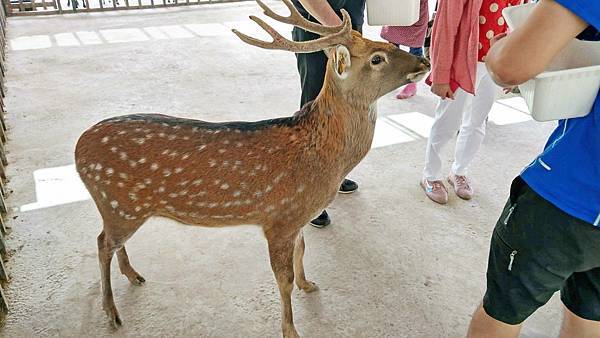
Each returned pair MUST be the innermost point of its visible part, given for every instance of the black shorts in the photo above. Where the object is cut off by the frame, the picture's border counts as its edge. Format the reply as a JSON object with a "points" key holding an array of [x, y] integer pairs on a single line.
{"points": [[536, 250]]}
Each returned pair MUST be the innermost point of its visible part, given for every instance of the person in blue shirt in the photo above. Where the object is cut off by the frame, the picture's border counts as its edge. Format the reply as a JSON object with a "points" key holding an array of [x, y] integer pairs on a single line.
{"points": [[548, 236]]}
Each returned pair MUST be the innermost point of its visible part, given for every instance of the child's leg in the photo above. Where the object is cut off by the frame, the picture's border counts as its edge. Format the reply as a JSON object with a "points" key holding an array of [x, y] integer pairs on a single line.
{"points": [[472, 130], [448, 115]]}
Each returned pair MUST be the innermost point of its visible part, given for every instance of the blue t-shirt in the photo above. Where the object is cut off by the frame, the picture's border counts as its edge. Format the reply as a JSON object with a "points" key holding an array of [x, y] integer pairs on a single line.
{"points": [[567, 173]]}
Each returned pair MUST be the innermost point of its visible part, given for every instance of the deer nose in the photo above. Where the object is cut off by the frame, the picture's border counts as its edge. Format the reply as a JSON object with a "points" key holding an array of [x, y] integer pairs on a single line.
{"points": [[425, 64]]}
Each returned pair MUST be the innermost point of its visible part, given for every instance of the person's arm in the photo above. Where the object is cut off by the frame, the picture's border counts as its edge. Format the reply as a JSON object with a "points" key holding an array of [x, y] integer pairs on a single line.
{"points": [[322, 11], [445, 29], [527, 51]]}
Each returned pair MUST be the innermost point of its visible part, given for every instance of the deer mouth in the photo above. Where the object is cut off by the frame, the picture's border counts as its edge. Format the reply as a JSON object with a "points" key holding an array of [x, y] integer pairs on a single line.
{"points": [[417, 76]]}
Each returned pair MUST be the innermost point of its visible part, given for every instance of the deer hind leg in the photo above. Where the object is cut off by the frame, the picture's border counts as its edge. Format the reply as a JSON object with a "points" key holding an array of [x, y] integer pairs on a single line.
{"points": [[281, 252], [303, 284], [112, 239], [126, 268], [106, 251]]}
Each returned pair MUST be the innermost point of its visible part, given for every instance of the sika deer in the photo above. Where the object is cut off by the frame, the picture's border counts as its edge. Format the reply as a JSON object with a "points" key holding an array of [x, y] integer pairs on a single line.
{"points": [[277, 174]]}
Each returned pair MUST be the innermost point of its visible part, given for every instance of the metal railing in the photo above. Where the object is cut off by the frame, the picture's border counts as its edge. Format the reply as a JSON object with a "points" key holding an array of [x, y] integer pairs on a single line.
{"points": [[43, 7]]}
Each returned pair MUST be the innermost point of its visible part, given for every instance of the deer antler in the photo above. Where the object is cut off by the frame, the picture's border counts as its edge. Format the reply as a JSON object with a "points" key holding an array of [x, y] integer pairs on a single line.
{"points": [[298, 20], [341, 36]]}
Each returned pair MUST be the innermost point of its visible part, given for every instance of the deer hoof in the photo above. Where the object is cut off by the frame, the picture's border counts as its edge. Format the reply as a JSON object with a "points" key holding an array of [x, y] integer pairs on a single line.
{"points": [[290, 333], [308, 287], [137, 280], [113, 317]]}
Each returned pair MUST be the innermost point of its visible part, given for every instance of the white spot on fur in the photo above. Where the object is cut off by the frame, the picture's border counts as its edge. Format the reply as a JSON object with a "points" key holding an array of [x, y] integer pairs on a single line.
{"points": [[222, 151], [114, 204], [113, 149], [278, 178], [166, 172], [224, 186], [178, 170], [110, 171], [185, 156], [105, 139], [142, 160], [197, 182], [161, 189], [237, 193], [154, 166], [123, 156], [103, 194], [201, 147], [123, 176]]}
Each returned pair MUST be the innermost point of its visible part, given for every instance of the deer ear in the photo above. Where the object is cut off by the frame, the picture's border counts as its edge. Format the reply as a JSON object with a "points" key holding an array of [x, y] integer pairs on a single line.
{"points": [[341, 60]]}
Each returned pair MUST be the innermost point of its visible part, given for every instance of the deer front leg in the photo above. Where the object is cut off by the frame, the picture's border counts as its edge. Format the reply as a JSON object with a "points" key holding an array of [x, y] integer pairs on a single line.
{"points": [[281, 252], [301, 281], [126, 268]]}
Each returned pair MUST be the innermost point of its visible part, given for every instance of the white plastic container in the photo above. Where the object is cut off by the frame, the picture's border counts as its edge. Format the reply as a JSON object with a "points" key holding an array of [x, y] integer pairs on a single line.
{"points": [[568, 88], [393, 12]]}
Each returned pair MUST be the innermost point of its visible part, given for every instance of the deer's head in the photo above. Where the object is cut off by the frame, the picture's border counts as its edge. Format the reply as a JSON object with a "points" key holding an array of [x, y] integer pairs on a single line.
{"points": [[357, 67]]}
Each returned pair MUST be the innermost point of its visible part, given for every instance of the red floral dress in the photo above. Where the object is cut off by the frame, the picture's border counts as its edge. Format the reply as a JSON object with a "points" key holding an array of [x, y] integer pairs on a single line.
{"points": [[491, 22]]}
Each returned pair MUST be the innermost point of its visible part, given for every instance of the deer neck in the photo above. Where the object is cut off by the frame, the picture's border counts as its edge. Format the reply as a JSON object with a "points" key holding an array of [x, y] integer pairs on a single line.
{"points": [[347, 122]]}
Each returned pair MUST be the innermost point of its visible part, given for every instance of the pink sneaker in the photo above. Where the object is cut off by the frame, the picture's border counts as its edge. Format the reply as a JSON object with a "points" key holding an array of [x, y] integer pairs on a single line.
{"points": [[435, 190], [407, 91], [461, 186]]}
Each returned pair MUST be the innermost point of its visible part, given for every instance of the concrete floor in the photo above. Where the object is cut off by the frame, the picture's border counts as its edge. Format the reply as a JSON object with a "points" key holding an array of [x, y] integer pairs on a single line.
{"points": [[393, 264]]}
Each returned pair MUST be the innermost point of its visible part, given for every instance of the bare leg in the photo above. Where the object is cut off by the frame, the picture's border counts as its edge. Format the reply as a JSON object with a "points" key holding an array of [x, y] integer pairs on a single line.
{"points": [[301, 281], [484, 326], [126, 268], [281, 251], [574, 326], [106, 251]]}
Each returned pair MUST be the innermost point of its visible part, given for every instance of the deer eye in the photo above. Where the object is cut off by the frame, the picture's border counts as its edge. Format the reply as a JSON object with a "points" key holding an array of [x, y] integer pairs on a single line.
{"points": [[376, 59]]}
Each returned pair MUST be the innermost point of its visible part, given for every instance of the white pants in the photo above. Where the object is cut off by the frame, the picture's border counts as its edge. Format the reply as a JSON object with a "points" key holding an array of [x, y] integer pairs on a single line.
{"points": [[466, 113]]}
